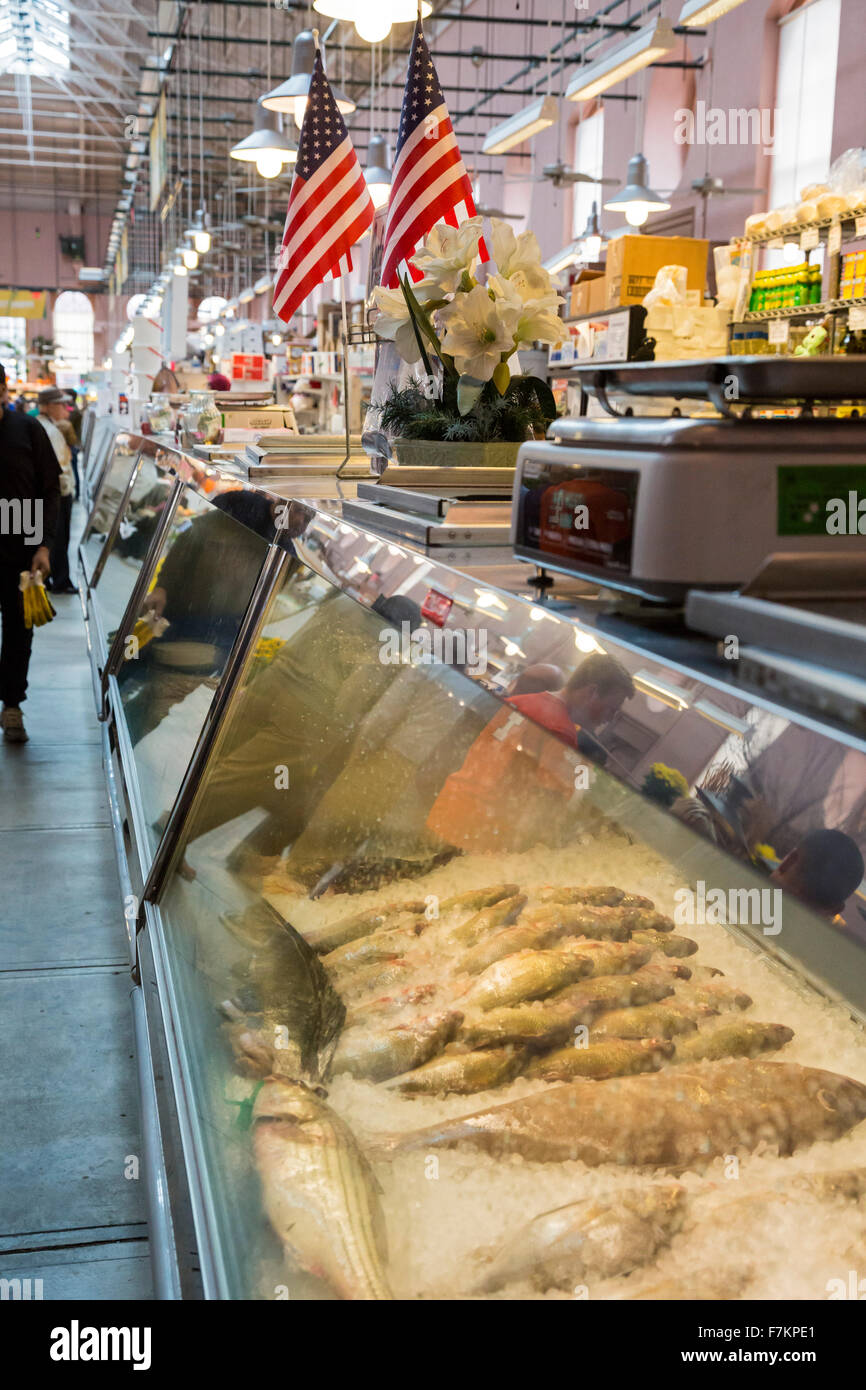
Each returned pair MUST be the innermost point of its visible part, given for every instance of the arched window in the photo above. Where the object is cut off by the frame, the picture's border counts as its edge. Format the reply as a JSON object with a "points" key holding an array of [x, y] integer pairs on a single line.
{"points": [[73, 337]]}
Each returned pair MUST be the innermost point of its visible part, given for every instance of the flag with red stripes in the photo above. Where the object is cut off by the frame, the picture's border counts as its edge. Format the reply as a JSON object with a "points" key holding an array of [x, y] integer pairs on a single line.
{"points": [[330, 206], [429, 182]]}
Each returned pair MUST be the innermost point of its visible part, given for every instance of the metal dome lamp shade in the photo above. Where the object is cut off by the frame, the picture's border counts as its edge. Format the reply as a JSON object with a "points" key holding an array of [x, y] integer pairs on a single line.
{"points": [[267, 147], [292, 94], [637, 200], [373, 18], [377, 174]]}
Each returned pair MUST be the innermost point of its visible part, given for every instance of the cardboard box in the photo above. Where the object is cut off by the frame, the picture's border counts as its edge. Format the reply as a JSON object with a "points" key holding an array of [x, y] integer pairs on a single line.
{"points": [[262, 417], [590, 282], [633, 261]]}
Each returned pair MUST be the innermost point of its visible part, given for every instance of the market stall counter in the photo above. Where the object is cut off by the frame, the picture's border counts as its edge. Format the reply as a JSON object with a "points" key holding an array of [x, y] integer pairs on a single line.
{"points": [[464, 977]]}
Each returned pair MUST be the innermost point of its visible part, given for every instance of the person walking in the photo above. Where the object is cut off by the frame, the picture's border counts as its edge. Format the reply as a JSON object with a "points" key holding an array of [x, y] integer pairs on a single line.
{"points": [[29, 503], [53, 412]]}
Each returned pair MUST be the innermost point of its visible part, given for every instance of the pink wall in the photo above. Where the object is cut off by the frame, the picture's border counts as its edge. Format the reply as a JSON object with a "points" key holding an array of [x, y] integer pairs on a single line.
{"points": [[30, 254]]}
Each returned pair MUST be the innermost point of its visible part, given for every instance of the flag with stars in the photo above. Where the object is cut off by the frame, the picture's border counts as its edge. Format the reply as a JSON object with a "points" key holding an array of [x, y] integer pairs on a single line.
{"points": [[429, 183], [330, 206]]}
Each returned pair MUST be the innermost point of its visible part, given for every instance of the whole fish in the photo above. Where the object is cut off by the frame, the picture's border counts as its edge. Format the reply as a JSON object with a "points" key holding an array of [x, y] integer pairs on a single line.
{"points": [[386, 944], [610, 1057], [389, 1004], [733, 1038], [462, 1072], [702, 973], [378, 1056], [667, 942], [600, 923], [381, 975], [644, 919], [593, 897], [552, 1020], [610, 957], [319, 1191], [525, 935], [541, 1022], [616, 991], [675, 1117], [476, 898], [525, 975], [715, 993], [666, 1019], [598, 1238], [324, 939], [500, 914]]}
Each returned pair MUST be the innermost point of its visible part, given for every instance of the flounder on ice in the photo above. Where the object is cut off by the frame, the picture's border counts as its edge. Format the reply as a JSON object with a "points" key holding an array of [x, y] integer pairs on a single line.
{"points": [[682, 1115]]}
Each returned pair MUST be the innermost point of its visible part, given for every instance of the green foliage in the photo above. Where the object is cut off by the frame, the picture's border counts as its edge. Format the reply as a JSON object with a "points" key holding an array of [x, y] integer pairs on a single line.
{"points": [[524, 412]]}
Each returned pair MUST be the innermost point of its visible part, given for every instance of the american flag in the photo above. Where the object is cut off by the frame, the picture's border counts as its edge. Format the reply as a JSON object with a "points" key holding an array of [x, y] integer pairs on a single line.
{"points": [[330, 206], [429, 183]]}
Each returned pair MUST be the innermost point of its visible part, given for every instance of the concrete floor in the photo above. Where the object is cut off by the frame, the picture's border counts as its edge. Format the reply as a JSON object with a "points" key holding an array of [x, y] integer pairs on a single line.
{"points": [[68, 1213]]}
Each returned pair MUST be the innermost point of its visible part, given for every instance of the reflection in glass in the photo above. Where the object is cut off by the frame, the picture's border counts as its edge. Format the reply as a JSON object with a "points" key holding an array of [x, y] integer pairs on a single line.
{"points": [[202, 584], [422, 903]]}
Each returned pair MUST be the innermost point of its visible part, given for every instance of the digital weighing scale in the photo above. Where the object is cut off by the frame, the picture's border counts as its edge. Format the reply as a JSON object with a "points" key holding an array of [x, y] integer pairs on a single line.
{"points": [[657, 507]]}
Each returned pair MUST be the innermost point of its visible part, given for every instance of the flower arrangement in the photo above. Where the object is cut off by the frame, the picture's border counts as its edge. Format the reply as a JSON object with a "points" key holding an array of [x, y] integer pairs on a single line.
{"points": [[665, 784], [473, 329]]}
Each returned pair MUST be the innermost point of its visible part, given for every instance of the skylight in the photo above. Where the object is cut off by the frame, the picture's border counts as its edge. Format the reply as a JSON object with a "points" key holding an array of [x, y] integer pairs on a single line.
{"points": [[34, 37]]}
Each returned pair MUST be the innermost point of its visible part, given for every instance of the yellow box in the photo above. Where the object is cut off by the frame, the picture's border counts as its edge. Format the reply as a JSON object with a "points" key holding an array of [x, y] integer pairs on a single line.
{"points": [[633, 262]]}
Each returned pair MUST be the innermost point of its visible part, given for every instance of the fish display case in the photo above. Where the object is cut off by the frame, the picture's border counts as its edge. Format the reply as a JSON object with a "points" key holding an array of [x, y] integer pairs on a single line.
{"points": [[450, 986]]}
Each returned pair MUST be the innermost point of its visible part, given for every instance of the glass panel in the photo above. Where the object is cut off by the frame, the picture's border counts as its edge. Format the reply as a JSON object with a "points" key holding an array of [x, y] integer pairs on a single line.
{"points": [[141, 517], [203, 581], [106, 502], [420, 901]]}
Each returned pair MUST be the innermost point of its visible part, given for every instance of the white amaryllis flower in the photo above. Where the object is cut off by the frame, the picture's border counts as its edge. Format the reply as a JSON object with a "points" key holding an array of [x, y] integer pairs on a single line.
{"points": [[478, 330], [448, 253], [394, 323], [518, 260], [538, 320]]}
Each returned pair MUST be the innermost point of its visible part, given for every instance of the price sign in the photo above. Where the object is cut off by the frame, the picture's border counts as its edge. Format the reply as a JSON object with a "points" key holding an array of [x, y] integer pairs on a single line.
{"points": [[436, 607], [809, 239], [776, 244], [834, 238], [860, 226], [857, 317], [778, 331]]}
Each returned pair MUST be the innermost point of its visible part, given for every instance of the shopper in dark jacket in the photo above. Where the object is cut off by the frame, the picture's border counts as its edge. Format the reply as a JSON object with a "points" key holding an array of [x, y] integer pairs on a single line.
{"points": [[29, 504]]}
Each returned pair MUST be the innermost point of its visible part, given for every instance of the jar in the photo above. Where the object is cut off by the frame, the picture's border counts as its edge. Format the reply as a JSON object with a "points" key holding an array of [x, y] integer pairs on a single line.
{"points": [[159, 413], [201, 422]]}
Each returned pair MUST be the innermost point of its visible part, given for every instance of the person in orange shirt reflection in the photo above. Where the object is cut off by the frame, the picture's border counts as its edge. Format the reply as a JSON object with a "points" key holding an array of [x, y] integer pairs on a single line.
{"points": [[516, 781]]}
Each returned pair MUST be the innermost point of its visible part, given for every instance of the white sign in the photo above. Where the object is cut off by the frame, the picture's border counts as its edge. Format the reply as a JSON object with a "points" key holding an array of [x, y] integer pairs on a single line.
{"points": [[860, 226], [809, 239], [779, 331], [857, 316], [834, 238]]}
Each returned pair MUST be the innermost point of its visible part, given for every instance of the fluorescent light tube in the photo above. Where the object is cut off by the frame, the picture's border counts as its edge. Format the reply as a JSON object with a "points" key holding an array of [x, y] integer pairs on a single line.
{"points": [[522, 126], [637, 52], [696, 13]]}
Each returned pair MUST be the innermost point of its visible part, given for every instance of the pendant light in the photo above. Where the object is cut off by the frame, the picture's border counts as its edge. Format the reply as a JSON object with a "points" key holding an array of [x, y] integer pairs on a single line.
{"points": [[377, 174], [373, 18], [591, 236], [198, 234], [636, 200], [292, 95], [189, 256], [267, 147]]}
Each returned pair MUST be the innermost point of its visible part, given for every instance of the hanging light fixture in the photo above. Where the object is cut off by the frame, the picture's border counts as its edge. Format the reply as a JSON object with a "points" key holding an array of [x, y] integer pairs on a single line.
{"points": [[267, 146], [373, 18], [179, 268], [591, 236], [377, 174], [522, 126], [638, 52], [696, 13], [198, 234], [292, 94], [189, 255], [637, 200]]}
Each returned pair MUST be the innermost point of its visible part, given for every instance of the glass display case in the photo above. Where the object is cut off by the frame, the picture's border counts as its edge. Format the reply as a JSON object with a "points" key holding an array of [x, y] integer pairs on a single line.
{"points": [[472, 983]]}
